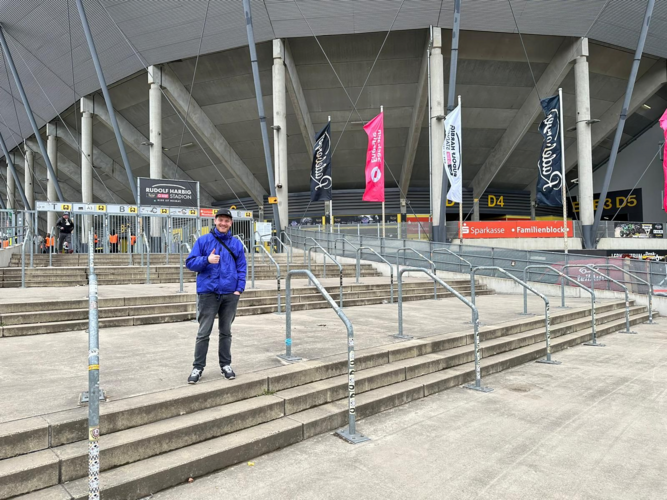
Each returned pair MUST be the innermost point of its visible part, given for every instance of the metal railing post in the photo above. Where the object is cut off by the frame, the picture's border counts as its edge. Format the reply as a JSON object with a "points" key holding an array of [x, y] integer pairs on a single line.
{"points": [[148, 258], [93, 376], [51, 240], [26, 238], [609, 280], [277, 270], [643, 281], [478, 371], [461, 259], [564, 277], [547, 318], [350, 434], [391, 268], [406, 249]]}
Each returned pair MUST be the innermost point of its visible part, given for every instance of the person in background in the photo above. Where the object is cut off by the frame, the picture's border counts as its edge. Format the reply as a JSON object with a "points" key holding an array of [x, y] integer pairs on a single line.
{"points": [[113, 242]]}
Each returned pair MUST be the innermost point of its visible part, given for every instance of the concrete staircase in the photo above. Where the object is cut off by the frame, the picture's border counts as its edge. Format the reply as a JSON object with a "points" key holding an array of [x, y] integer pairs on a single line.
{"points": [[32, 318], [119, 274], [155, 441]]}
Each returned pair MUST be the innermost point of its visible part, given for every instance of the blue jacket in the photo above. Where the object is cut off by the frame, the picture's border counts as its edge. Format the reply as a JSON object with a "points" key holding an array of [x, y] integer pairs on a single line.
{"points": [[226, 277]]}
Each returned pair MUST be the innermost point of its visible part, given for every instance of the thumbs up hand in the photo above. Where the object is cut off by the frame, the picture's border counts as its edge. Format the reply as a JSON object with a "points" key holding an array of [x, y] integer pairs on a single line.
{"points": [[213, 258]]}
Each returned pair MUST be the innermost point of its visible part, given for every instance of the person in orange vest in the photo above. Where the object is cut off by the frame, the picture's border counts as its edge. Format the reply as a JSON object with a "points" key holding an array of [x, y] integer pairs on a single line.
{"points": [[49, 241], [133, 240], [95, 249], [113, 242]]}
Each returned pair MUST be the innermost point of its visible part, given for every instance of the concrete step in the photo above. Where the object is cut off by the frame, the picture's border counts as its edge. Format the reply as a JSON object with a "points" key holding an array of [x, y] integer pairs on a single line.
{"points": [[73, 320], [69, 426], [161, 454]]}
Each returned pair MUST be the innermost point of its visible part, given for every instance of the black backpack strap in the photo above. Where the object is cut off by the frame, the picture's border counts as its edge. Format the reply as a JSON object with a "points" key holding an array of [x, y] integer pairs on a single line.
{"points": [[223, 244]]}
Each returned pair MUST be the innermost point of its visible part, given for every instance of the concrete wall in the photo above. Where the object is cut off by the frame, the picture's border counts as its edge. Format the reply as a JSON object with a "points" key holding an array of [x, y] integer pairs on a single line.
{"points": [[630, 164], [6, 254]]}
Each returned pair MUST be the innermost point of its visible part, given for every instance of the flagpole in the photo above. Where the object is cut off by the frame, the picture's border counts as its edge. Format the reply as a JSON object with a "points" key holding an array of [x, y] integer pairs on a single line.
{"points": [[461, 204], [562, 164], [383, 226], [331, 217]]}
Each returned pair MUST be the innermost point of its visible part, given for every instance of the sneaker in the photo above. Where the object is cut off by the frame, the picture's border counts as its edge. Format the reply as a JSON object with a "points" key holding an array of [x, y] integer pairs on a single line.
{"points": [[195, 376], [228, 372]]}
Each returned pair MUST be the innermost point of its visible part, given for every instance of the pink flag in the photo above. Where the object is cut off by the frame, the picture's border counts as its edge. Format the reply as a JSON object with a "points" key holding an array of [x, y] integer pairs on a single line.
{"points": [[663, 126], [375, 159]]}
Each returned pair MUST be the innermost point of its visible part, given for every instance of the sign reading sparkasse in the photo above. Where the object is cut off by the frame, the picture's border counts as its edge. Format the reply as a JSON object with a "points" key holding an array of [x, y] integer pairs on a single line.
{"points": [[515, 229], [168, 193]]}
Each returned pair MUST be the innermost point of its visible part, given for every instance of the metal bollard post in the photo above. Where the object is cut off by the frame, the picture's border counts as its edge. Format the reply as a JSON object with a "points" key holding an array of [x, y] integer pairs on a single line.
{"points": [[288, 322], [93, 383], [252, 267], [477, 386], [180, 267]]}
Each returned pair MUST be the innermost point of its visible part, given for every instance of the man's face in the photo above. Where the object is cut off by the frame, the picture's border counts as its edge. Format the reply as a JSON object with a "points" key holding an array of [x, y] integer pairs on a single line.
{"points": [[223, 223]]}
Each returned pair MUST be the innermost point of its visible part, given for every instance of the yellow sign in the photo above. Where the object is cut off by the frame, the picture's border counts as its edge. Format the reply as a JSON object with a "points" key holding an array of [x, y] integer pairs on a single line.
{"points": [[248, 215], [101, 208], [65, 206], [495, 200], [133, 210], [273, 200], [192, 212], [164, 210], [233, 207]]}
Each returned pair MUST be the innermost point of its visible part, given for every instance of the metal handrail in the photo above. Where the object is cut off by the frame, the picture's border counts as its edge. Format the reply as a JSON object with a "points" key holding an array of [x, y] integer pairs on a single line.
{"points": [[446, 250], [323, 260], [304, 246], [345, 240], [435, 286], [129, 243], [165, 235], [252, 258], [242, 243], [180, 258], [547, 320], [26, 238], [350, 434], [391, 268], [564, 277], [148, 257], [625, 288], [340, 268], [286, 249], [475, 321], [641, 280]]}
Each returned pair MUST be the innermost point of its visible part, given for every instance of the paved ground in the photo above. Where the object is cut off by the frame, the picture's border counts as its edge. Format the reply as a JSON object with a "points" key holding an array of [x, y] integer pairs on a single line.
{"points": [[591, 428], [46, 373]]}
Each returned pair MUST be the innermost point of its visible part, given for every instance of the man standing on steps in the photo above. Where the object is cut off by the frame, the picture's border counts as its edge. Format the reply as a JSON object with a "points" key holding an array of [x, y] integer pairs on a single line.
{"points": [[66, 226], [219, 259]]}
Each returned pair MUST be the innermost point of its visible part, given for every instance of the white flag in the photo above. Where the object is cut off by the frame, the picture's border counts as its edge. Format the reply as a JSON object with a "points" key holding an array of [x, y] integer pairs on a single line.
{"points": [[451, 154]]}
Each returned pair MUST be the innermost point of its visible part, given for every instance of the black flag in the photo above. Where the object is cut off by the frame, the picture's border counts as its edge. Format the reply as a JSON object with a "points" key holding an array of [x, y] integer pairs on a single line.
{"points": [[320, 172], [550, 172]]}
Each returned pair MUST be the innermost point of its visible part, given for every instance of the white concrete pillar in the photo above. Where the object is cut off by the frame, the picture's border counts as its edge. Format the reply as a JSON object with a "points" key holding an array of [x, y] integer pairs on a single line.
{"points": [[155, 118], [29, 178], [86, 166], [280, 132], [437, 123], [11, 191], [52, 151], [584, 149]]}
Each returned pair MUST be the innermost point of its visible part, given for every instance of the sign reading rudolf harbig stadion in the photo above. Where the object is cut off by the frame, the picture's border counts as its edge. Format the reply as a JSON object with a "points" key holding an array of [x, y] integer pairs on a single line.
{"points": [[168, 193]]}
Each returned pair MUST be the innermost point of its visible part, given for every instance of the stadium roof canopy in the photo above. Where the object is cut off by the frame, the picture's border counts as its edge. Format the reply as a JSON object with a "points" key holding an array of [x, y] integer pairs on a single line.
{"points": [[49, 48]]}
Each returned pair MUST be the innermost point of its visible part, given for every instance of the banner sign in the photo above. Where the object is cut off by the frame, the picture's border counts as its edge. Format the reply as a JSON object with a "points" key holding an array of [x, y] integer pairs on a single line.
{"points": [[154, 211], [47, 206], [375, 159], [515, 229], [236, 214], [122, 209], [638, 230], [168, 193], [663, 126], [451, 154], [88, 208], [320, 172], [550, 175], [625, 202]]}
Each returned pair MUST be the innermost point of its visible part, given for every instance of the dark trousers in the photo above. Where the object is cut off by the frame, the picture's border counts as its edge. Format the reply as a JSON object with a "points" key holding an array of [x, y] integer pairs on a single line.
{"points": [[212, 305]]}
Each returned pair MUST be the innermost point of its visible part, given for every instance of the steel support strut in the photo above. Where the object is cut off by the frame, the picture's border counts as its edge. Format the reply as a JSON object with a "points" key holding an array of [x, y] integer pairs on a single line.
{"points": [[107, 99], [31, 117]]}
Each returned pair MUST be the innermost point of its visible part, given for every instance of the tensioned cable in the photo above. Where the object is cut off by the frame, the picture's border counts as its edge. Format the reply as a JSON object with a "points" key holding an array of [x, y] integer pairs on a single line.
{"points": [[404, 195], [596, 18], [636, 184], [524, 50], [145, 66], [367, 78], [192, 84], [11, 40]]}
